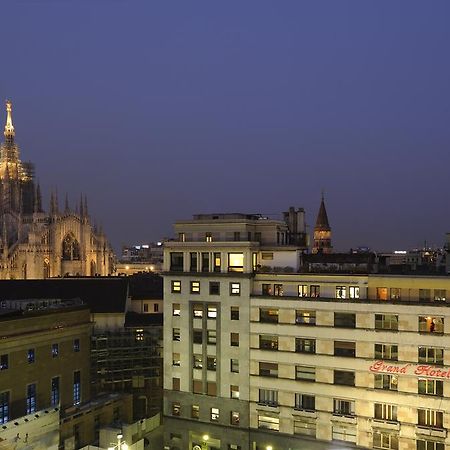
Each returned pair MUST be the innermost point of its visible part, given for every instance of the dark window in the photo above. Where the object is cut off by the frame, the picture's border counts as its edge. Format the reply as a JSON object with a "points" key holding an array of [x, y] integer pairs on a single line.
{"points": [[386, 322], [344, 377], [234, 339], [76, 345], [30, 355], [205, 262], [305, 402], [314, 291], [266, 289], [235, 313], [267, 369], [234, 365], [214, 288], [211, 363], [268, 342], [268, 315], [54, 394], [77, 387], [198, 336], [193, 262], [303, 345], [305, 317], [386, 351], [4, 362], [344, 348], [176, 261], [212, 337], [31, 398], [4, 407], [55, 350], [344, 320]]}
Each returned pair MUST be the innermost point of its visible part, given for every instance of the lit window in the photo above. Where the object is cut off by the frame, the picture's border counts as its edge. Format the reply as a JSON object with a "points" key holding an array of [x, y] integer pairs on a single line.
{"points": [[176, 335], [302, 290], [429, 324], [396, 293], [267, 422], [197, 361], [440, 295], [54, 394], [341, 292], [176, 359], [234, 365], [268, 315], [234, 418], [235, 262], [31, 398], [353, 291], [266, 289], [278, 290], [217, 262], [235, 288], [212, 312], [305, 317], [77, 387], [176, 286], [176, 409], [195, 287], [176, 309], [314, 291], [139, 334], [195, 411], [234, 391], [382, 293], [4, 407], [268, 342], [197, 311], [208, 237], [214, 414], [212, 337]]}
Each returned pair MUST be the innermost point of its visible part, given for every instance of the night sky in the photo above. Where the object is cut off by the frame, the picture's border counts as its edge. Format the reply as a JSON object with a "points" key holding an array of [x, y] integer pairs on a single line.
{"points": [[159, 110]]}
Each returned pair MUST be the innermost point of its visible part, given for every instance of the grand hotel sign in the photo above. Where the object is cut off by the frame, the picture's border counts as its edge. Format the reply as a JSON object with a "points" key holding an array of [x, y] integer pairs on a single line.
{"points": [[420, 370]]}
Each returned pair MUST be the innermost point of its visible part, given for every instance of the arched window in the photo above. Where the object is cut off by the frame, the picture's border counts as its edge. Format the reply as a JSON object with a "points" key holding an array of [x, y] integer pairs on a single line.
{"points": [[70, 248], [46, 268]]}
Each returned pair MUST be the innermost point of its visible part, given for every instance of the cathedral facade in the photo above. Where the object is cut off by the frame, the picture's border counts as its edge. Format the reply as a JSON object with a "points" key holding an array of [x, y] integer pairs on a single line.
{"points": [[34, 243]]}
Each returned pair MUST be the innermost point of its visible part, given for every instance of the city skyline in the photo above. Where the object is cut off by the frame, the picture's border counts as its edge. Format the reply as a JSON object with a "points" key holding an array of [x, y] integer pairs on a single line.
{"points": [[174, 111]]}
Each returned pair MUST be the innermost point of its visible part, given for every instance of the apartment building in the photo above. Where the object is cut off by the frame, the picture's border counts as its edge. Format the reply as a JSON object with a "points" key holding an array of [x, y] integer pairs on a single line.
{"points": [[279, 359]]}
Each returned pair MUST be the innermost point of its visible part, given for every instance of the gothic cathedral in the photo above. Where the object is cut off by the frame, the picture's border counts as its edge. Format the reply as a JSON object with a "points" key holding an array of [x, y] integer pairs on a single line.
{"points": [[34, 244]]}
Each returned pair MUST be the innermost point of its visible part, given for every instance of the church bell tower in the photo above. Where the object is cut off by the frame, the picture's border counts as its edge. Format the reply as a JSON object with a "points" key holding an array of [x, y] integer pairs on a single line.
{"points": [[322, 231]]}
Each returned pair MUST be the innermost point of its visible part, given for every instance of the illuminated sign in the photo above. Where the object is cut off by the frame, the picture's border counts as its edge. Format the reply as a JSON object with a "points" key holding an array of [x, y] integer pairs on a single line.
{"points": [[422, 370]]}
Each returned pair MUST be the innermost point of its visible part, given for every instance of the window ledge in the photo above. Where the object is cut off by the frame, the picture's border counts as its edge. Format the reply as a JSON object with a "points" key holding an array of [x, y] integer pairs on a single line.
{"points": [[386, 424], [341, 418], [430, 431]]}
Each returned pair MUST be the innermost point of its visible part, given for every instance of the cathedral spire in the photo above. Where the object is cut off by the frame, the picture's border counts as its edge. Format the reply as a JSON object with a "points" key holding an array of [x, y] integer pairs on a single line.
{"points": [[38, 199], [81, 206], [9, 128], [86, 213], [322, 231]]}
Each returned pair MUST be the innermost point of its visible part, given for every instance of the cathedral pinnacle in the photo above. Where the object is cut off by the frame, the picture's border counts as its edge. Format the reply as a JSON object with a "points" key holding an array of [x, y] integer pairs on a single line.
{"points": [[9, 128]]}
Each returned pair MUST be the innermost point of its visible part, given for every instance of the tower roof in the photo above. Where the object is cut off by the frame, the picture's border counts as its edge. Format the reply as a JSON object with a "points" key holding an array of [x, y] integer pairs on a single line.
{"points": [[322, 218], [9, 128]]}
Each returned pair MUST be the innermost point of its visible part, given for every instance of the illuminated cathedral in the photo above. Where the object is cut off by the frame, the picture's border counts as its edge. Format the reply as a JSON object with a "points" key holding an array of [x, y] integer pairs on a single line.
{"points": [[37, 244]]}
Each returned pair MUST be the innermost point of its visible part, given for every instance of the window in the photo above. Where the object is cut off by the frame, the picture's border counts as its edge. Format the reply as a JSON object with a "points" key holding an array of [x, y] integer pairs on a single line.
{"points": [[341, 292], [211, 388], [31, 356], [234, 312], [343, 407], [386, 322], [266, 422], [208, 237], [55, 350], [344, 320], [303, 345], [197, 361], [4, 362], [237, 236], [211, 363], [234, 391], [176, 309], [430, 445], [77, 387], [193, 259], [176, 287], [197, 336], [176, 336], [257, 236], [344, 433], [54, 393], [431, 355], [440, 295], [214, 288], [267, 369], [31, 398], [344, 377], [197, 310], [305, 425], [235, 262], [430, 418], [234, 339], [175, 384], [205, 262], [195, 287], [234, 418], [217, 262], [212, 312], [197, 386], [235, 288], [429, 324], [268, 315], [314, 291], [234, 447], [430, 387], [385, 381], [305, 317], [302, 290], [176, 359], [181, 237], [76, 345], [268, 397], [278, 290], [155, 307], [305, 373], [145, 307], [386, 351], [176, 261], [386, 440], [305, 402], [424, 295], [234, 365], [382, 293], [266, 289], [195, 411], [268, 342], [176, 409], [212, 337], [344, 348], [139, 334], [396, 293], [383, 411], [214, 414], [4, 407], [353, 291]]}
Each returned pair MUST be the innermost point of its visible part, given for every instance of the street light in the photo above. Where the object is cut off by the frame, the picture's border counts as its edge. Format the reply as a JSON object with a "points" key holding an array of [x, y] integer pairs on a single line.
{"points": [[205, 438], [269, 447], [121, 445]]}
